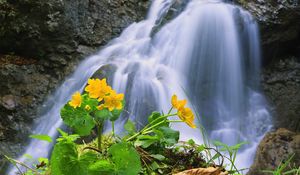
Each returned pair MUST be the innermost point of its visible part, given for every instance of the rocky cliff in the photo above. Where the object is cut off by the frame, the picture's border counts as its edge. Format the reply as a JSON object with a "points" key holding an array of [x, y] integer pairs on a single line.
{"points": [[279, 22], [280, 37], [41, 42]]}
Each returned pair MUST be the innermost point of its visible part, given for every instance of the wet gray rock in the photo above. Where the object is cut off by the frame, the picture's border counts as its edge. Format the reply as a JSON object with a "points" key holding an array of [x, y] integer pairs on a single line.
{"points": [[276, 147], [9, 102], [281, 84], [35, 28], [279, 22], [106, 71]]}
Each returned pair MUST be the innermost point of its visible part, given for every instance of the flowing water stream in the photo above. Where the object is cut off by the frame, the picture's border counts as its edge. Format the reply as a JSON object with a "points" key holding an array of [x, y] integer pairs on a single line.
{"points": [[209, 54]]}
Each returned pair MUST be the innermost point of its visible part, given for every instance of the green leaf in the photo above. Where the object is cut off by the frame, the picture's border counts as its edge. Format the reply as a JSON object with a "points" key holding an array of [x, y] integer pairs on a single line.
{"points": [[27, 156], [154, 166], [78, 119], [200, 148], [217, 155], [238, 146], [65, 137], [29, 172], [170, 136], [42, 159], [83, 126], [191, 142], [153, 116], [130, 127], [292, 171], [42, 137], [125, 158], [146, 140], [144, 143], [156, 117], [85, 161], [102, 115], [218, 143], [116, 113], [103, 167], [147, 137], [65, 159], [86, 100], [158, 157]]}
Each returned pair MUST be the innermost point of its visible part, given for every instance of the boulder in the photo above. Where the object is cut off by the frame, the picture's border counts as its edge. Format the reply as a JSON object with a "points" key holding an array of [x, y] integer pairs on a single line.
{"points": [[275, 148]]}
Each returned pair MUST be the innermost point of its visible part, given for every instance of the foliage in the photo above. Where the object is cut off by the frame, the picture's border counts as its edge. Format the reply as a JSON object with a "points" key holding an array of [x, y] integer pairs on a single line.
{"points": [[231, 151], [125, 158], [155, 149]]}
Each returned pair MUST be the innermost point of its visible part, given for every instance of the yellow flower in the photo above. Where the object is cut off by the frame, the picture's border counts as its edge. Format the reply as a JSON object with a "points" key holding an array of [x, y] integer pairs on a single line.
{"points": [[187, 116], [100, 107], [76, 100], [177, 104], [98, 88], [113, 101], [184, 113], [87, 107]]}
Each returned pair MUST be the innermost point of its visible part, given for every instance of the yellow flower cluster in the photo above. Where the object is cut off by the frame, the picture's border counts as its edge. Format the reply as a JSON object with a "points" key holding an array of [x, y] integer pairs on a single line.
{"points": [[99, 89], [184, 113], [76, 100], [112, 101]]}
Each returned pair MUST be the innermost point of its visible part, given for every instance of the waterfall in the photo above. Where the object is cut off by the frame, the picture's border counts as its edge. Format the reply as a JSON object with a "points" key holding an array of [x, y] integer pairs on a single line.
{"points": [[209, 54]]}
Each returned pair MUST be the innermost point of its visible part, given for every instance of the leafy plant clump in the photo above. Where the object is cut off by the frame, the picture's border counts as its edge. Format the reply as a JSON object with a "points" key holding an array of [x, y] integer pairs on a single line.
{"points": [[155, 149]]}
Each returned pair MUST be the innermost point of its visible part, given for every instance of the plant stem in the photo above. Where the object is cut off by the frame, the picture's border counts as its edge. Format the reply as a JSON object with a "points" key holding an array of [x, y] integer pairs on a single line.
{"points": [[145, 130], [157, 119], [113, 128], [148, 127], [170, 110], [134, 136], [99, 128], [91, 148], [159, 123], [174, 121]]}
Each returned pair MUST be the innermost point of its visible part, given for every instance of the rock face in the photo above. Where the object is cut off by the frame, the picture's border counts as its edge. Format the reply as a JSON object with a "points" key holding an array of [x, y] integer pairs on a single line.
{"points": [[279, 22], [276, 147], [281, 83], [40, 43], [35, 28]]}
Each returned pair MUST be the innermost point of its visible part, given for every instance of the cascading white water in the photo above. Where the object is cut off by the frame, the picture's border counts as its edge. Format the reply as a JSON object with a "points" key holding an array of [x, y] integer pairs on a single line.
{"points": [[208, 54]]}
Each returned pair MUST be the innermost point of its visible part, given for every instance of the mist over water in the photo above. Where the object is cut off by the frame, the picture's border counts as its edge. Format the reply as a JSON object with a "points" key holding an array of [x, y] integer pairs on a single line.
{"points": [[208, 54]]}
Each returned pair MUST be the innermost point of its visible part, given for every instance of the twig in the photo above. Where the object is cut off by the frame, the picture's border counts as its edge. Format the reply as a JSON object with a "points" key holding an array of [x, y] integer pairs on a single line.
{"points": [[15, 162], [218, 152], [144, 153], [91, 148]]}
